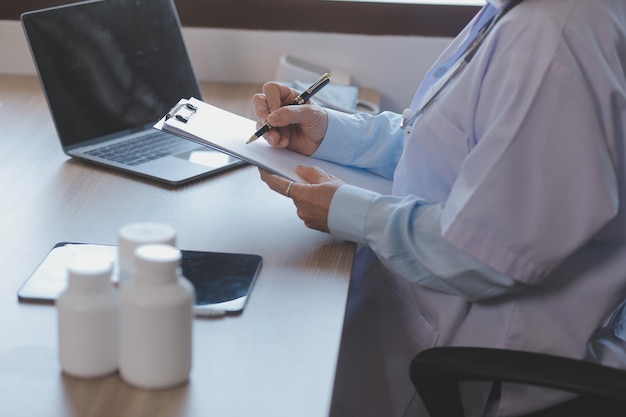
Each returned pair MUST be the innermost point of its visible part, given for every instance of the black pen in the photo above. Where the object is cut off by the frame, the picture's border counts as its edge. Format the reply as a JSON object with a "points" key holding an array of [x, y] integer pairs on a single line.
{"points": [[301, 99]]}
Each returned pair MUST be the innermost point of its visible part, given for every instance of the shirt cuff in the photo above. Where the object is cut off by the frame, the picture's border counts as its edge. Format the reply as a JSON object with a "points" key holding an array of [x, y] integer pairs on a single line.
{"points": [[338, 144], [348, 211]]}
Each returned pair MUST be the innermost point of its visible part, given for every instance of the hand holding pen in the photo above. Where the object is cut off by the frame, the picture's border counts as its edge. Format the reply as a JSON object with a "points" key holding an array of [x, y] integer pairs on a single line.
{"points": [[301, 99]]}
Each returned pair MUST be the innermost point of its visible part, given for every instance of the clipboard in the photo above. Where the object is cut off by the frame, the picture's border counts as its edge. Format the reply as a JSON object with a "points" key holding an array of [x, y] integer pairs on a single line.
{"points": [[216, 128]]}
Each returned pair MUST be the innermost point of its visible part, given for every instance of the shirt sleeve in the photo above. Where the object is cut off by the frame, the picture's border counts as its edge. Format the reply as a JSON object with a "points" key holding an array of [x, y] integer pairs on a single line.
{"points": [[404, 233], [542, 182], [372, 142]]}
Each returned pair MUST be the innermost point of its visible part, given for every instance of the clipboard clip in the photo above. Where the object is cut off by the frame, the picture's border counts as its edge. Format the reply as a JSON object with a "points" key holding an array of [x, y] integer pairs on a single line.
{"points": [[182, 111]]}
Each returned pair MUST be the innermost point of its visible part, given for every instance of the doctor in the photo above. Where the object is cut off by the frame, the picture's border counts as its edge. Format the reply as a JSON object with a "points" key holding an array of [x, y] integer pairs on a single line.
{"points": [[506, 226]]}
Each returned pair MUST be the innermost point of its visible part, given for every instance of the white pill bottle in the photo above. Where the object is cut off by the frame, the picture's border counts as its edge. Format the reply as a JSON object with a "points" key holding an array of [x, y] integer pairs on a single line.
{"points": [[88, 317], [156, 318]]}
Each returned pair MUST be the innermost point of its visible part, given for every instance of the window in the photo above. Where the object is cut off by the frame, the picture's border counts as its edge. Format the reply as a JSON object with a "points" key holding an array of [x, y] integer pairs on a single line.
{"points": [[440, 2], [396, 17], [375, 18]]}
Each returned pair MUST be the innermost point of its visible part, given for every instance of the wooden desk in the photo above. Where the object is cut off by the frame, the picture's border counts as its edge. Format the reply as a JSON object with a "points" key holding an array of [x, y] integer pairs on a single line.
{"points": [[277, 359]]}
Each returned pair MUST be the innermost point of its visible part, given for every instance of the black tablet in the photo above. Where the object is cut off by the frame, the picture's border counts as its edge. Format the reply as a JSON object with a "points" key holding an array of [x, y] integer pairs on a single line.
{"points": [[222, 281]]}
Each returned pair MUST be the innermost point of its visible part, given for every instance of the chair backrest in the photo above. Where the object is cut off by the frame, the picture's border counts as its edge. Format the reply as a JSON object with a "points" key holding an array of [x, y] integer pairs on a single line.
{"points": [[608, 344]]}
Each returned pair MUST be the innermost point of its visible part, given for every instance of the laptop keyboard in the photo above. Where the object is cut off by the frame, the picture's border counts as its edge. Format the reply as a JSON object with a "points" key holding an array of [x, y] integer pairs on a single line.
{"points": [[141, 149]]}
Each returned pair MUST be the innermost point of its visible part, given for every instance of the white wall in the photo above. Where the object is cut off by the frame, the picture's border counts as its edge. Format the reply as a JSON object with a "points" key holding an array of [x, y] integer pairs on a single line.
{"points": [[393, 65]]}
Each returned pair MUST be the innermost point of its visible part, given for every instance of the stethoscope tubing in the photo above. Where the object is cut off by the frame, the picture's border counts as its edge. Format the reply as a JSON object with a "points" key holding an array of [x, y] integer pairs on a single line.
{"points": [[409, 116]]}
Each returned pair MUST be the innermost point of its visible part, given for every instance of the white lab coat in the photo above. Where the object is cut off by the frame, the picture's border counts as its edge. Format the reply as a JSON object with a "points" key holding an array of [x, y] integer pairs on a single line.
{"points": [[525, 154]]}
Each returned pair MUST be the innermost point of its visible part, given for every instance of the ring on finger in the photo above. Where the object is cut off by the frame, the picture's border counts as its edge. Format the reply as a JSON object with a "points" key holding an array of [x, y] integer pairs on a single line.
{"points": [[288, 190]]}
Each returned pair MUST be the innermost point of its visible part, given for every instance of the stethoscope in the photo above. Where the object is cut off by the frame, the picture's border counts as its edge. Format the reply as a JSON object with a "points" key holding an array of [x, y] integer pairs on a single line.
{"points": [[410, 116]]}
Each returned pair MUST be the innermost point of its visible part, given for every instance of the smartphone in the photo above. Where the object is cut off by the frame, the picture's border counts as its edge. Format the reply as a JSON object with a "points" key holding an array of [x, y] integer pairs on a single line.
{"points": [[222, 281]]}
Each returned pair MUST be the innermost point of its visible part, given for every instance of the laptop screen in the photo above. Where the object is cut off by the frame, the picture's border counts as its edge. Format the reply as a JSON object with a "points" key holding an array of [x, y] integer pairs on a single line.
{"points": [[109, 66]]}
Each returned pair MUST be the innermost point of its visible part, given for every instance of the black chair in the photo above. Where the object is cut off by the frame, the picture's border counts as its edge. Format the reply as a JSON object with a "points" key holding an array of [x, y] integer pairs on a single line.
{"points": [[436, 373]]}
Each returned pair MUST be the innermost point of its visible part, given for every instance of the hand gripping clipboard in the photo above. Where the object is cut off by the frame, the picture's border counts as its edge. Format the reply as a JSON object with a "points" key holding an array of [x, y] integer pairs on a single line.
{"points": [[211, 126]]}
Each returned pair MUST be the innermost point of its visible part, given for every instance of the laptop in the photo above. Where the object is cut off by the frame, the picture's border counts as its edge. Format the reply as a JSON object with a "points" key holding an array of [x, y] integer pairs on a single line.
{"points": [[110, 69]]}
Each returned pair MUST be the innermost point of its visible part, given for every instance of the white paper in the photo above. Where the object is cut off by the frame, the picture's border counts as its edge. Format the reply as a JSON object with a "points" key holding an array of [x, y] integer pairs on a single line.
{"points": [[228, 132]]}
